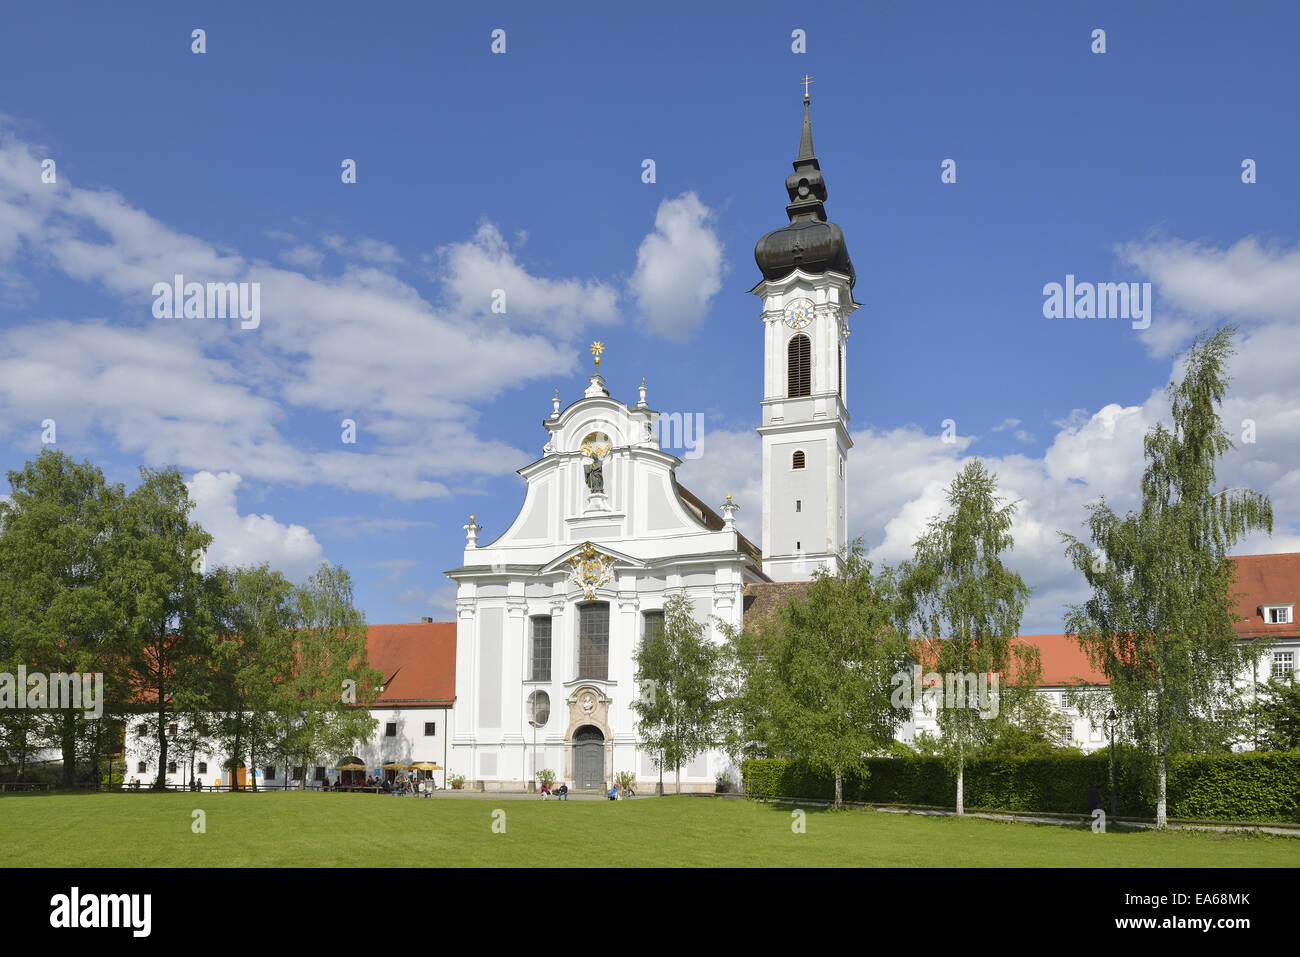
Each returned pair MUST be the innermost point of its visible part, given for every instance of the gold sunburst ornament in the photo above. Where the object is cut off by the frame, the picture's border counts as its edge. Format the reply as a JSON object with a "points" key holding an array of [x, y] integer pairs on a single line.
{"points": [[597, 348]]}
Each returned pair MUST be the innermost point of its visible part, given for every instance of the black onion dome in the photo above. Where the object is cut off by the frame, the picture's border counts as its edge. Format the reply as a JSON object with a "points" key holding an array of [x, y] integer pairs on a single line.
{"points": [[809, 242]]}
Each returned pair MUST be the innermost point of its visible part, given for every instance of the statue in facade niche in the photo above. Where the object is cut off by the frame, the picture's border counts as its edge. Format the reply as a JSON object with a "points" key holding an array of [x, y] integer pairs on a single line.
{"points": [[594, 449], [595, 475]]}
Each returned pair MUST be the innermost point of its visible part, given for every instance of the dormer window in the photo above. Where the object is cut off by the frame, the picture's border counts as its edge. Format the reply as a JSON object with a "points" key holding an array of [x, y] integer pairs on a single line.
{"points": [[1278, 614]]}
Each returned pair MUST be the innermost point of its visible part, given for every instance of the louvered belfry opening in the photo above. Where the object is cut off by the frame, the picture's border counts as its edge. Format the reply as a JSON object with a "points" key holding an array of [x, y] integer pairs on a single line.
{"points": [[799, 365]]}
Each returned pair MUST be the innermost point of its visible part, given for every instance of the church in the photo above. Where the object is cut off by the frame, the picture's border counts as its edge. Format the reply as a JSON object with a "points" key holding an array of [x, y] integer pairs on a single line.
{"points": [[549, 614], [537, 671]]}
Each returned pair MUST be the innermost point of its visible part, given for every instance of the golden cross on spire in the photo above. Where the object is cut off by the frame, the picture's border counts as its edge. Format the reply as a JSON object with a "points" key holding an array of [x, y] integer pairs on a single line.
{"points": [[805, 81], [597, 348]]}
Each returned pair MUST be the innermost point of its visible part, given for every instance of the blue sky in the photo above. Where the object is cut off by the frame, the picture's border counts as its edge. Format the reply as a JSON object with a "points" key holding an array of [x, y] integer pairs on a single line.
{"points": [[522, 171]]}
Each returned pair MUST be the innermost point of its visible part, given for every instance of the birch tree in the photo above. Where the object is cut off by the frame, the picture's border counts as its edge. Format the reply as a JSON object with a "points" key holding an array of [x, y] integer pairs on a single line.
{"points": [[1159, 623], [677, 671], [964, 607]]}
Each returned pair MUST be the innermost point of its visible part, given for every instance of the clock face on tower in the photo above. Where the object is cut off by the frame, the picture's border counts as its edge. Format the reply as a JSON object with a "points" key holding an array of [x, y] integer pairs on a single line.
{"points": [[798, 314]]}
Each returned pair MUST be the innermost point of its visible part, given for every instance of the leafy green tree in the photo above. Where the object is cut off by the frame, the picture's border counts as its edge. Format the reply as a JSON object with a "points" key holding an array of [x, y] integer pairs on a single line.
{"points": [[252, 654], [162, 562], [677, 671], [744, 715], [329, 673], [1276, 715], [1159, 623], [56, 595], [964, 605], [823, 676]]}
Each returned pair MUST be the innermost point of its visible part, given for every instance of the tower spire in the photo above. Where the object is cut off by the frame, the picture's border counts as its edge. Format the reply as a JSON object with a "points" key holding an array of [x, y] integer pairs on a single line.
{"points": [[806, 186], [809, 242], [805, 137]]}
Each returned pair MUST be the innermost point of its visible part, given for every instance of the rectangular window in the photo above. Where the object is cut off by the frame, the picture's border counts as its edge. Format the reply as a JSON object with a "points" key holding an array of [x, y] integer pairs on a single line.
{"points": [[320, 773], [171, 767], [652, 624], [171, 729], [390, 729], [1279, 616], [798, 505], [430, 728], [203, 767], [1283, 663], [269, 774], [593, 641], [297, 774], [539, 662], [141, 768]]}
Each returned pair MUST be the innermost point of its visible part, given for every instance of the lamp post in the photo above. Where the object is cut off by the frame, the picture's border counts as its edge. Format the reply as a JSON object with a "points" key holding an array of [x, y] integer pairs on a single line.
{"points": [[538, 715], [1111, 720], [532, 782]]}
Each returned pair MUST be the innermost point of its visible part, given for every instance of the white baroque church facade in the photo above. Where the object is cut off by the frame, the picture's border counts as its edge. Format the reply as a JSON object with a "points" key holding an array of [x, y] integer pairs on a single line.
{"points": [[549, 614]]}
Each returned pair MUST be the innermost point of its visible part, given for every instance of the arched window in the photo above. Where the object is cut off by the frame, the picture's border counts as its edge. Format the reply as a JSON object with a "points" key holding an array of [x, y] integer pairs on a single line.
{"points": [[797, 460], [799, 367]]}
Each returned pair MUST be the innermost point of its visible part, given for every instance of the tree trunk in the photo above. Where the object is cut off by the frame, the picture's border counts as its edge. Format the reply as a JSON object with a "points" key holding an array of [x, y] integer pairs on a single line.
{"points": [[1162, 820], [961, 779], [161, 783], [94, 756], [239, 732], [677, 786], [839, 789], [69, 742]]}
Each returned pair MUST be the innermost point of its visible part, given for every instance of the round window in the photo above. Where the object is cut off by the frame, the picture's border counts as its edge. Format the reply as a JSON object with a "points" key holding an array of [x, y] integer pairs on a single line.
{"points": [[539, 708]]}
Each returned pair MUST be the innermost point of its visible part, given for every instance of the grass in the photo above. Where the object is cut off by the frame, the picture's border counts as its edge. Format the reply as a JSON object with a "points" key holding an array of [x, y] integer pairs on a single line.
{"points": [[340, 830]]}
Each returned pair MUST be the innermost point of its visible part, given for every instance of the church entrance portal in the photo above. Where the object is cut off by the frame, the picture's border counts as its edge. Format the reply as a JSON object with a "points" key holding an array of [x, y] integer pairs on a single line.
{"points": [[589, 758]]}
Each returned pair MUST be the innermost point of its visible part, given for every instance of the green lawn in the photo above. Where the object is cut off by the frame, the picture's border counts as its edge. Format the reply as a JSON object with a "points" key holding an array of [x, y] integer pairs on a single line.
{"points": [[268, 830]]}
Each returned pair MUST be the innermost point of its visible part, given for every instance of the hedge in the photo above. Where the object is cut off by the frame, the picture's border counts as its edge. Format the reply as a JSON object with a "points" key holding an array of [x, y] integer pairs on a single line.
{"points": [[1227, 787]]}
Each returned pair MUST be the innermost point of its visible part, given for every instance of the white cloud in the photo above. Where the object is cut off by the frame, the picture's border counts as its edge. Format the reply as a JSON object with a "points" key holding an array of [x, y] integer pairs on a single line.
{"points": [[303, 257], [206, 395], [440, 599], [679, 268], [249, 539], [472, 272], [365, 248]]}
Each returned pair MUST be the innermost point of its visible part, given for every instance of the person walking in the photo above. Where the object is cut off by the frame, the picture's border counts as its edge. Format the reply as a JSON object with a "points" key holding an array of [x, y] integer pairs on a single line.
{"points": [[1094, 798]]}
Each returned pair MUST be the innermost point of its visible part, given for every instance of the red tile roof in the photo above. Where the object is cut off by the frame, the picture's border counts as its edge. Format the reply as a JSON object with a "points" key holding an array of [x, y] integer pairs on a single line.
{"points": [[1266, 580], [1063, 661], [418, 662]]}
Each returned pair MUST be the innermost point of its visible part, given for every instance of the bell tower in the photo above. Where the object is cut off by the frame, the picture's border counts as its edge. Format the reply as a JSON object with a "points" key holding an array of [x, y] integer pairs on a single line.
{"points": [[807, 296]]}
